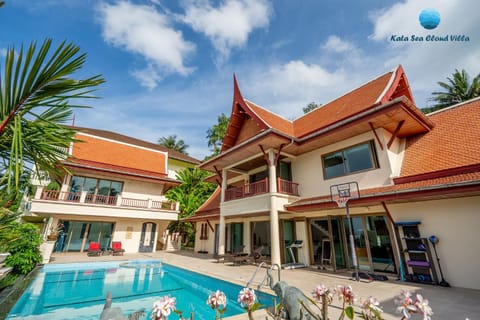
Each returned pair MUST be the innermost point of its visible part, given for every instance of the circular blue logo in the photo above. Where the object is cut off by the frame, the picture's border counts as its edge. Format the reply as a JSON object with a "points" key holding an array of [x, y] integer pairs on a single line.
{"points": [[429, 18]]}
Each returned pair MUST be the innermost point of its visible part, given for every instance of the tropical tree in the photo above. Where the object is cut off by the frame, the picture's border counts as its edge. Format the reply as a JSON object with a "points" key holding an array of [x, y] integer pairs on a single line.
{"points": [[36, 93], [171, 142], [311, 106], [216, 134], [191, 194], [457, 88]]}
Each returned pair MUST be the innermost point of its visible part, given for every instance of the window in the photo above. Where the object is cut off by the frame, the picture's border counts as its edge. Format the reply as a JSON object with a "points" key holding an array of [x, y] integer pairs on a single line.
{"points": [[350, 160], [95, 186]]}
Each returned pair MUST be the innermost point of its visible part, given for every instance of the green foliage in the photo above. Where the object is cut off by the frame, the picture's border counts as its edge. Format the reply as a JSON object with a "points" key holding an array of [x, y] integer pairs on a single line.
{"points": [[191, 194], [171, 142], [36, 90], [458, 88], [311, 106], [24, 247], [216, 134]]}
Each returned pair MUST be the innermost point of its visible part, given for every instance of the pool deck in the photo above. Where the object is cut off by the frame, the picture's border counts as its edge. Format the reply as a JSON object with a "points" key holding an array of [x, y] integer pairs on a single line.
{"points": [[447, 303]]}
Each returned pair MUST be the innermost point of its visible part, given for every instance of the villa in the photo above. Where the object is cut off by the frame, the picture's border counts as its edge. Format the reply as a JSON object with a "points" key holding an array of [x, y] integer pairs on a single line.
{"points": [[417, 176], [113, 190]]}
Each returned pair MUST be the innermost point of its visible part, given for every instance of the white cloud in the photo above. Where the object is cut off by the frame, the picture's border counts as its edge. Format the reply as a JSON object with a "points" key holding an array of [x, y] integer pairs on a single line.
{"points": [[143, 30], [287, 88], [426, 63], [229, 25], [335, 44]]}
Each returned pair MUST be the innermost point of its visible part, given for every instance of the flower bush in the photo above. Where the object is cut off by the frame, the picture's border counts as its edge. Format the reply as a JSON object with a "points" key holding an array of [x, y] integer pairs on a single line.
{"points": [[322, 298]]}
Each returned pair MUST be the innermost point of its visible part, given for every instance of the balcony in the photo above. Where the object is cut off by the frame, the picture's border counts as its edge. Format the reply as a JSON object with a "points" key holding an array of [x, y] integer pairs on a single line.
{"points": [[116, 201], [260, 187]]}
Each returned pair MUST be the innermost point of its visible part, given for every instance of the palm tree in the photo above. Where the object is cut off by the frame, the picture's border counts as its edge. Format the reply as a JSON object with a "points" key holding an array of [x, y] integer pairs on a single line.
{"points": [[457, 89], [171, 142], [191, 194], [36, 90], [216, 133]]}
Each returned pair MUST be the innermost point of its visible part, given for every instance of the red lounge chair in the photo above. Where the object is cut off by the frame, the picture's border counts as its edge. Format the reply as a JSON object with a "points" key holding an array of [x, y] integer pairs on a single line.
{"points": [[117, 248], [94, 249]]}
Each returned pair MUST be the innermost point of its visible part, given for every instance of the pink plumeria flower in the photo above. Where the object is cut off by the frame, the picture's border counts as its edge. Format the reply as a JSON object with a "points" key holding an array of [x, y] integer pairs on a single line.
{"points": [[216, 299], [163, 307], [371, 305], [247, 297], [319, 291], [405, 304], [423, 307], [346, 293], [322, 291]]}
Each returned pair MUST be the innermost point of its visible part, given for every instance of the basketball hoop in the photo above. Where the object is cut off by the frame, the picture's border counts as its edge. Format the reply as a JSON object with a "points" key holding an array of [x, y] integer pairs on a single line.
{"points": [[341, 193]]}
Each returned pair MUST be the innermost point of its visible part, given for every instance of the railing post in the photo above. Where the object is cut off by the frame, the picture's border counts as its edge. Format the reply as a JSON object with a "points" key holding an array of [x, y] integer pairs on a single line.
{"points": [[149, 204], [119, 200], [38, 193], [83, 195]]}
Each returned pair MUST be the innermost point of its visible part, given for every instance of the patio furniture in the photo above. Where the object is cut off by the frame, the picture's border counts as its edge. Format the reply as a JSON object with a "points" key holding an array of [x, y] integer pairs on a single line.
{"points": [[94, 249], [117, 249]]}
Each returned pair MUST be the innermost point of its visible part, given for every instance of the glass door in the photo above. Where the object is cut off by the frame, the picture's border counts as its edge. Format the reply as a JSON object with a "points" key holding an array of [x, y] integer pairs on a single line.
{"points": [[319, 231], [360, 243], [288, 238], [338, 239], [380, 244]]}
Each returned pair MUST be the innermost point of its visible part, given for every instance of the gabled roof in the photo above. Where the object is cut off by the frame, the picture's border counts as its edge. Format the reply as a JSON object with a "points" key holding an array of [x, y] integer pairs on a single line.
{"points": [[385, 102], [382, 89]]}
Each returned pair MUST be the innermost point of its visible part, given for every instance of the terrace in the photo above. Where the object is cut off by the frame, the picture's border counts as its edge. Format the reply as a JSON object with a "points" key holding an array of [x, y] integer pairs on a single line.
{"points": [[260, 187]]}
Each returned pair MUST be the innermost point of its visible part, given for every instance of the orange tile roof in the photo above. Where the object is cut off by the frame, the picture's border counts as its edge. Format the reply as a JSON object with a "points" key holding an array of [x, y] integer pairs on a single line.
{"points": [[272, 120], [378, 90], [346, 106], [453, 142], [209, 209], [137, 142], [100, 150]]}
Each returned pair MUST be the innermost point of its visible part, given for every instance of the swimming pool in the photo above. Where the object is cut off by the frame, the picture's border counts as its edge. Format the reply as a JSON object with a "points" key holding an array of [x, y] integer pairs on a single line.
{"points": [[78, 291]]}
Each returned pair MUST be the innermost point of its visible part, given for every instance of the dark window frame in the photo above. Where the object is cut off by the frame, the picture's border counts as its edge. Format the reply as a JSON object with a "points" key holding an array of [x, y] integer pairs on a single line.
{"points": [[373, 160]]}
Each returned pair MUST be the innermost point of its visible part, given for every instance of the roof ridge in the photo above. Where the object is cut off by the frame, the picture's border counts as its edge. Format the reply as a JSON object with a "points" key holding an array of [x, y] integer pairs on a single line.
{"points": [[389, 84], [453, 106], [266, 110]]}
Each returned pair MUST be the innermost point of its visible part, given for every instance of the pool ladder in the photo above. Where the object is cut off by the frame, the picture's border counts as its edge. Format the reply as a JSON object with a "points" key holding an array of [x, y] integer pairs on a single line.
{"points": [[266, 277]]}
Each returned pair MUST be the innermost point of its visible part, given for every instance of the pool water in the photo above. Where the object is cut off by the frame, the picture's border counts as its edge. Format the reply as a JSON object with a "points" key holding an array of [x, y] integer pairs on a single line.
{"points": [[78, 291]]}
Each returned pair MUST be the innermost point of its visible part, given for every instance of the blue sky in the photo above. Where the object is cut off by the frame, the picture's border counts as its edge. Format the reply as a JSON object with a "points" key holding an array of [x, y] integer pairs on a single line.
{"points": [[169, 64]]}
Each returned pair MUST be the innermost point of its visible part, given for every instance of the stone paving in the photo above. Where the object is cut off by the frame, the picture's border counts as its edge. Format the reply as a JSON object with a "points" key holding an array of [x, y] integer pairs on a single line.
{"points": [[447, 303]]}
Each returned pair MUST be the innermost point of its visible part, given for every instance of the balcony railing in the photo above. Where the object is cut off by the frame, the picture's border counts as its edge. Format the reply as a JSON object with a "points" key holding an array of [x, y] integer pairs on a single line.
{"points": [[287, 187], [78, 197], [61, 196], [260, 187]]}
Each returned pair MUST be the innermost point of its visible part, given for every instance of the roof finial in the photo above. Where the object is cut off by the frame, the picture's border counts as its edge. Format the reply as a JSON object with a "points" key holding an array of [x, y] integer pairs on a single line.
{"points": [[237, 95]]}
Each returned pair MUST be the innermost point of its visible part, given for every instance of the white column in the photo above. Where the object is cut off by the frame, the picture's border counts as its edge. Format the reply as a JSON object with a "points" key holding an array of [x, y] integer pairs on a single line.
{"points": [[274, 224], [221, 227], [38, 193]]}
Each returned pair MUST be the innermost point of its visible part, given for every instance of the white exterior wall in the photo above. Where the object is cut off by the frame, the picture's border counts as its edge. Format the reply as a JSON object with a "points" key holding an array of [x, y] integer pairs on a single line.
{"points": [[456, 224], [307, 169], [208, 244]]}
